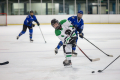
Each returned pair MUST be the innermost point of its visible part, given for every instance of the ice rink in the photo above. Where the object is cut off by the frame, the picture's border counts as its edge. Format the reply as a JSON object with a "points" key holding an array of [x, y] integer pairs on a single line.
{"points": [[37, 60]]}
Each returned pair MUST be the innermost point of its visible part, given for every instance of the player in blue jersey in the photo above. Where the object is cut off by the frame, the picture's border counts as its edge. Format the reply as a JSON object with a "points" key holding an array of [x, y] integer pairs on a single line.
{"points": [[78, 24], [28, 24]]}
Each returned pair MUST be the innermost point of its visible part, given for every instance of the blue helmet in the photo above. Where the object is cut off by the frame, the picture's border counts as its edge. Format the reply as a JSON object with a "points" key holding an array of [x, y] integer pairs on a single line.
{"points": [[81, 12]]}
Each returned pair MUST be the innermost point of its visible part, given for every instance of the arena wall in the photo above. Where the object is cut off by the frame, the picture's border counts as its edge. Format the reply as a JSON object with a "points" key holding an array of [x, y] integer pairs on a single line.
{"points": [[46, 19]]}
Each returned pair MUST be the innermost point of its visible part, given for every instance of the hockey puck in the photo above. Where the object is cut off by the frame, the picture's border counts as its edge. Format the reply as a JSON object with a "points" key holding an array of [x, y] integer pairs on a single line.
{"points": [[93, 71]]}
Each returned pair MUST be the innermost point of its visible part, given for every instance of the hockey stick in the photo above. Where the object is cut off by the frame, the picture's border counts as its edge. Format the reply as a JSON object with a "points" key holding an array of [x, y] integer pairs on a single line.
{"points": [[4, 63], [42, 34], [92, 60], [98, 48], [109, 64]]}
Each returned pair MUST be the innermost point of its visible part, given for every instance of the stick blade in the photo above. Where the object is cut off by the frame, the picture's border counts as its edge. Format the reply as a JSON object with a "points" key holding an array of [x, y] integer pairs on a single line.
{"points": [[97, 59], [110, 55], [4, 63]]}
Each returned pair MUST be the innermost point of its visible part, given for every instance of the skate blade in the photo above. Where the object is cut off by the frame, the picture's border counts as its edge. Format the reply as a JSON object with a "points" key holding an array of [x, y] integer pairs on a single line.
{"points": [[31, 41], [68, 66], [55, 53]]}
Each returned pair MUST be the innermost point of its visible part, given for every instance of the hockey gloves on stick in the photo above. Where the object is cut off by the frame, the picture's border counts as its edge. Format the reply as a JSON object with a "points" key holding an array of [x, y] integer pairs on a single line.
{"points": [[70, 40], [81, 35], [38, 23]]}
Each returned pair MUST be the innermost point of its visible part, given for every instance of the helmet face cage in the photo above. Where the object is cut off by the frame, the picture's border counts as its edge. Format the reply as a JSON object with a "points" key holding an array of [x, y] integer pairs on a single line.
{"points": [[58, 26], [79, 12], [55, 21]]}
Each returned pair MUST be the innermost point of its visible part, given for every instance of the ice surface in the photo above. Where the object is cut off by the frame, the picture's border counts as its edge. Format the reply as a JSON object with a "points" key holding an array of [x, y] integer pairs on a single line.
{"points": [[37, 61]]}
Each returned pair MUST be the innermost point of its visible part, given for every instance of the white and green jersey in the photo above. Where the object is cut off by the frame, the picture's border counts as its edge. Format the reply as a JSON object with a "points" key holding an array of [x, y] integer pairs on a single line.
{"points": [[65, 26]]}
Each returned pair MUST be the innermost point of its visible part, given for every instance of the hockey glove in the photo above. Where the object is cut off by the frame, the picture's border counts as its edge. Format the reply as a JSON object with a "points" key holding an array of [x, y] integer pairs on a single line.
{"points": [[70, 40], [68, 32], [81, 35], [38, 23], [33, 25]]}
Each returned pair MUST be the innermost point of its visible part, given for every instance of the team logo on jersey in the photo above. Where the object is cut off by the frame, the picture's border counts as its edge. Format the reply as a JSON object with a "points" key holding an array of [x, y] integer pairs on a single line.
{"points": [[73, 17]]}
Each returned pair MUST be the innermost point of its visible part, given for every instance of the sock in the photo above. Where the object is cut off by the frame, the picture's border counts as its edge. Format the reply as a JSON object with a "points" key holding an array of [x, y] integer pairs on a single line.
{"points": [[60, 44], [31, 32], [68, 56], [22, 32], [74, 48]]}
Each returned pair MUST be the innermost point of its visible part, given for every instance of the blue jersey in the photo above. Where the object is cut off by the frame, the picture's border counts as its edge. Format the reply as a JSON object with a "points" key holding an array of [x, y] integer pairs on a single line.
{"points": [[29, 19], [80, 24]]}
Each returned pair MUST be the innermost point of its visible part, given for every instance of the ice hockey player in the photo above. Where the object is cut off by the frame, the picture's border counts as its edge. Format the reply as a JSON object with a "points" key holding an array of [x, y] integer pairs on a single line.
{"points": [[78, 24], [28, 24], [64, 31]]}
